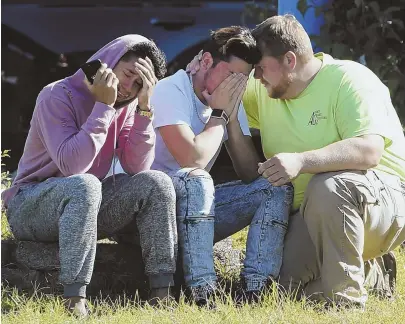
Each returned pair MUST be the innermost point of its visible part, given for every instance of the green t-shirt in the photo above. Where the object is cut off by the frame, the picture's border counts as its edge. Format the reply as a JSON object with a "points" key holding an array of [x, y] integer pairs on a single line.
{"points": [[344, 100]]}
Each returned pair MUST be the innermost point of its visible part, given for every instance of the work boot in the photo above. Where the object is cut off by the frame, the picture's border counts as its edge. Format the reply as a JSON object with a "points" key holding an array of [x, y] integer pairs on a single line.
{"points": [[390, 264]]}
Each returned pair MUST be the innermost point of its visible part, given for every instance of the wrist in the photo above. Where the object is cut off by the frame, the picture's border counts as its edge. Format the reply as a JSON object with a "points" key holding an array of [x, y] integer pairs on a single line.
{"points": [[145, 107], [302, 162], [233, 122], [144, 113], [220, 114], [217, 122]]}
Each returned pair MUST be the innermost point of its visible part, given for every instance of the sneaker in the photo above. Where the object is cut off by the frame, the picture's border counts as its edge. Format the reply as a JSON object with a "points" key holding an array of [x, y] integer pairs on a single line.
{"points": [[159, 296], [77, 306], [252, 290], [202, 296]]}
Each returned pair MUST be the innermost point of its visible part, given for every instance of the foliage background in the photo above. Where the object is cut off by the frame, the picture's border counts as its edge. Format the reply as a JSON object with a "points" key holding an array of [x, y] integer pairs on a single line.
{"points": [[371, 32]]}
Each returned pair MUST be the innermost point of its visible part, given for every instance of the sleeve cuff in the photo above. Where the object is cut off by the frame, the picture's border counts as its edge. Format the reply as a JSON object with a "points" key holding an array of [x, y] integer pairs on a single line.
{"points": [[102, 113], [143, 123]]}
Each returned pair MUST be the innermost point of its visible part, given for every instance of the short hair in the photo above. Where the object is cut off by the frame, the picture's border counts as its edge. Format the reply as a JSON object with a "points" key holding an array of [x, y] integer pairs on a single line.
{"points": [[232, 41], [278, 35], [149, 49]]}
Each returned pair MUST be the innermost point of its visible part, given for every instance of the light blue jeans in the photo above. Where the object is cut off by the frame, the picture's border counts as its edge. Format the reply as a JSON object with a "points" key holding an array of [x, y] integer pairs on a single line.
{"points": [[207, 214]]}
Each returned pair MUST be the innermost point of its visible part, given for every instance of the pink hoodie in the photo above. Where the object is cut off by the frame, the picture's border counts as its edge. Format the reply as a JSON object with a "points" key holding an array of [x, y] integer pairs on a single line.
{"points": [[72, 134]]}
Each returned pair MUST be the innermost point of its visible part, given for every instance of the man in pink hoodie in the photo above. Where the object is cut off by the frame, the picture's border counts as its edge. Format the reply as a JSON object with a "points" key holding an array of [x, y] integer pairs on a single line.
{"points": [[77, 131]]}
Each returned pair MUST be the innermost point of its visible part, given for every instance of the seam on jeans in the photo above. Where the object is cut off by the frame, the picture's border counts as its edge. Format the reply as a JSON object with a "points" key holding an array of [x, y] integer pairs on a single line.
{"points": [[186, 252], [229, 184]]}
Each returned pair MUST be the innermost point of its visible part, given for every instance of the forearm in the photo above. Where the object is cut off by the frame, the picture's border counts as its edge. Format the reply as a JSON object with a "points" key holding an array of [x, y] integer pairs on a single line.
{"points": [[138, 148], [242, 152], [206, 144], [359, 153], [74, 151]]}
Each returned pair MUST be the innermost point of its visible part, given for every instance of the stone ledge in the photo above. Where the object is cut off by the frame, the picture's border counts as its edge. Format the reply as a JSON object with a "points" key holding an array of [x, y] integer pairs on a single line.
{"points": [[31, 266]]}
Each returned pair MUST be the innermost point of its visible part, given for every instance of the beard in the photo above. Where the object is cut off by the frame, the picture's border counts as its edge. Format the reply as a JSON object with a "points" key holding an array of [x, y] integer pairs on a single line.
{"points": [[278, 91]]}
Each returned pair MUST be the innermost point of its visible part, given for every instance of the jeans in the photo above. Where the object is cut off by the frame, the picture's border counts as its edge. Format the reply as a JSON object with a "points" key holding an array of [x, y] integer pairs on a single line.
{"points": [[207, 214]]}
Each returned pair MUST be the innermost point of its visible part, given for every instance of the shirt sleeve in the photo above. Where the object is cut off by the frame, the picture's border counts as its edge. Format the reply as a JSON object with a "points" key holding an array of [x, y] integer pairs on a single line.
{"points": [[364, 112], [136, 143], [72, 148], [171, 106], [250, 103]]}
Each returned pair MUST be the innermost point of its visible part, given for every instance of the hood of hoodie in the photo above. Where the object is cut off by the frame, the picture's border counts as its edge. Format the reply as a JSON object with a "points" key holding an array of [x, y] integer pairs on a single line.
{"points": [[109, 54]]}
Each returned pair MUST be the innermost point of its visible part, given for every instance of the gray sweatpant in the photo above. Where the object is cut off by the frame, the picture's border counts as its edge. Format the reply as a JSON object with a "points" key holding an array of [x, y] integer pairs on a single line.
{"points": [[75, 210]]}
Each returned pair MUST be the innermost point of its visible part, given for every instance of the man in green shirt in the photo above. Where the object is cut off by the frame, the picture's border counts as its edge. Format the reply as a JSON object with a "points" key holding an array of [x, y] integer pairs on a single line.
{"points": [[329, 127]]}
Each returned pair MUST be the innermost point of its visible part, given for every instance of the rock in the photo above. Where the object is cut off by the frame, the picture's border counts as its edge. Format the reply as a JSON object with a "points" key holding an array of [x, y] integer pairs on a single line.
{"points": [[8, 248], [37, 256], [118, 268], [227, 257]]}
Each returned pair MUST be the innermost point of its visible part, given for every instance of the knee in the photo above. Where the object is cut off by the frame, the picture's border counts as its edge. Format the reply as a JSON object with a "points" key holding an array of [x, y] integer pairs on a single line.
{"points": [[283, 194], [199, 193], [199, 182], [320, 195], [158, 184], [199, 173], [86, 192], [86, 186]]}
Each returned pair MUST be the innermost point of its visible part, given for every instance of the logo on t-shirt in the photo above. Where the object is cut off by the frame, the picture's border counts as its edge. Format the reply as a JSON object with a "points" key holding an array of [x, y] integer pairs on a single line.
{"points": [[315, 117]]}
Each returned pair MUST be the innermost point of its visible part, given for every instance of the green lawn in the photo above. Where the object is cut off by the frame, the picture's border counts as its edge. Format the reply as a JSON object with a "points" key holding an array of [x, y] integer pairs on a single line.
{"points": [[18, 308]]}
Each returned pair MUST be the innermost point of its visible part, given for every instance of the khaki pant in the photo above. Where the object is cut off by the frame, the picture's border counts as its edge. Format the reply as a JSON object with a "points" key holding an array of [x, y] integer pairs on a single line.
{"points": [[346, 218]]}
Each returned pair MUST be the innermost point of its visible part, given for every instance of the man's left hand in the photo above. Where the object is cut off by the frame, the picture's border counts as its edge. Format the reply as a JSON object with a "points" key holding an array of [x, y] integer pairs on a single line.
{"points": [[281, 168], [145, 69]]}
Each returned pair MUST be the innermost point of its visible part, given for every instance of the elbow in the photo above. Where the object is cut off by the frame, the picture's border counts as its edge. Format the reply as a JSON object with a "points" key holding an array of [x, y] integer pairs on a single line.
{"points": [[191, 163], [193, 160], [138, 163], [371, 148], [372, 159], [69, 171], [372, 156], [70, 167]]}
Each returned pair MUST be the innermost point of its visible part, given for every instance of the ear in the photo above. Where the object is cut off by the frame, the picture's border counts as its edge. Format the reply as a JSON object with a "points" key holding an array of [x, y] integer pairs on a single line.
{"points": [[207, 61], [290, 59]]}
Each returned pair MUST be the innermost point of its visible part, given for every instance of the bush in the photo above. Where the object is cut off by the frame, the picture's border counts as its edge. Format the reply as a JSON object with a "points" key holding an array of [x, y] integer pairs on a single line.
{"points": [[5, 175], [5, 183], [371, 32]]}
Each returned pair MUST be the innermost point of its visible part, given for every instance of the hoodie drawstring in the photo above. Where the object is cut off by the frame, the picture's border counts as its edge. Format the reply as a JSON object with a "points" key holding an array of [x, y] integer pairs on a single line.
{"points": [[115, 148]]}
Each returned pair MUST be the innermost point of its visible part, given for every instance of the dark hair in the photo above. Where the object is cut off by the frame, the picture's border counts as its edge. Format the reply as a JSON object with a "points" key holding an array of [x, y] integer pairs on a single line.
{"points": [[150, 50], [233, 41], [278, 35]]}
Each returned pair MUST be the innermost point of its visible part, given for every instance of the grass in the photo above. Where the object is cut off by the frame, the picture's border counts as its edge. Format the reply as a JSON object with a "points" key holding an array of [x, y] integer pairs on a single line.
{"points": [[19, 308]]}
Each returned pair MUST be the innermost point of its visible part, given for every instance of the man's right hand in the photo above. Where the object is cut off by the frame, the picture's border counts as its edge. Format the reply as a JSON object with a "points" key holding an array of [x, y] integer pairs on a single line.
{"points": [[104, 87], [228, 94]]}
